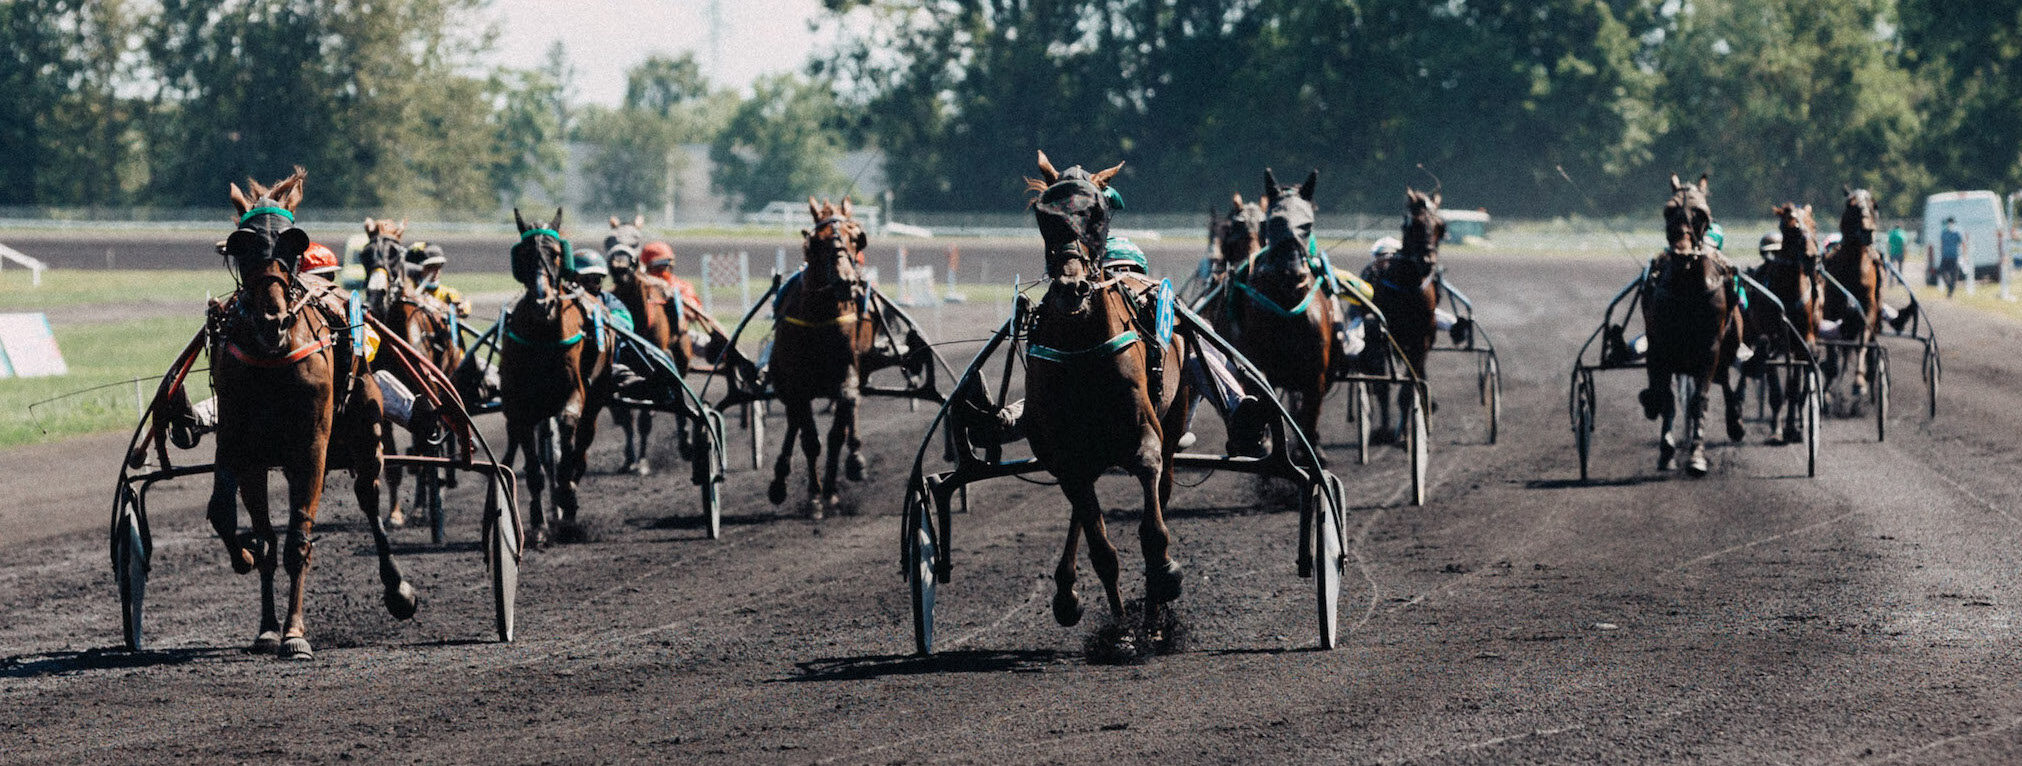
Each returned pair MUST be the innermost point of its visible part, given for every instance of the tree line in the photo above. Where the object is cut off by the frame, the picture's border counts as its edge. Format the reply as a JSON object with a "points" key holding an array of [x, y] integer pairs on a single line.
{"points": [[123, 103], [1782, 100]]}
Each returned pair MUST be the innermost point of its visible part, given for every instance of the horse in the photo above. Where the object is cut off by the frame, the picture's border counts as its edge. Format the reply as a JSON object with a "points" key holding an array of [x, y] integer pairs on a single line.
{"points": [[554, 363], [1406, 287], [1793, 277], [1277, 312], [424, 322], [1237, 235], [818, 350], [293, 393], [647, 297], [1692, 316], [1101, 391], [1856, 264]]}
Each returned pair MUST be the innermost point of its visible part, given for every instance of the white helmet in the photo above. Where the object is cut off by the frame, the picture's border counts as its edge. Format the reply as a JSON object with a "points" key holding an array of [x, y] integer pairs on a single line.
{"points": [[1385, 246]]}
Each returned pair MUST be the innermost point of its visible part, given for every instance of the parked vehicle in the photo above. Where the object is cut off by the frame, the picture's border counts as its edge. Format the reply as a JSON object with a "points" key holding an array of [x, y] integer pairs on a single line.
{"points": [[1982, 221]]}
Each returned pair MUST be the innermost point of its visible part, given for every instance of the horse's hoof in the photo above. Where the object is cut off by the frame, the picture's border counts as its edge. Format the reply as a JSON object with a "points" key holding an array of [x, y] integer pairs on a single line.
{"points": [[1667, 457], [268, 642], [1736, 431], [628, 466], [1651, 408], [1163, 585], [401, 601], [396, 518], [1066, 609], [1696, 466], [815, 509], [295, 648], [853, 468], [643, 468], [776, 492], [538, 537]]}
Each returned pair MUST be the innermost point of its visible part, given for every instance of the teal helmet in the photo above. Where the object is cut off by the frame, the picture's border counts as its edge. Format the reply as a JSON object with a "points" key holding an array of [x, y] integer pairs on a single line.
{"points": [[589, 263], [1717, 236], [1122, 250]]}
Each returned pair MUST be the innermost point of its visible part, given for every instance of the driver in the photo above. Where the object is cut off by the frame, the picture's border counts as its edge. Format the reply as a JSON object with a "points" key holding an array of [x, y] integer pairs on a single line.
{"points": [[425, 263]]}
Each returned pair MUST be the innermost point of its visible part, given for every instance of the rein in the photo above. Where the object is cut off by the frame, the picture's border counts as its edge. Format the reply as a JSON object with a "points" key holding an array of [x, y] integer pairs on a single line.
{"points": [[292, 358], [1109, 347]]}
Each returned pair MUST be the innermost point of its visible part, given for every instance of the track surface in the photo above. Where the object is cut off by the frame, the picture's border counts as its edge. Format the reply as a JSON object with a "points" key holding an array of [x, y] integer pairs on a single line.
{"points": [[1866, 615]]}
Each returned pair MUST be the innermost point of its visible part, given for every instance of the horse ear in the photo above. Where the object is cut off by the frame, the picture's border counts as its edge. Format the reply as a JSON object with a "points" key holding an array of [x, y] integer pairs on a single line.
{"points": [[1435, 200], [813, 210], [1847, 188], [639, 220], [518, 221], [402, 231], [371, 227], [614, 222], [1675, 186], [1046, 170], [1101, 178], [289, 191], [557, 223], [239, 200], [1703, 187], [1306, 189], [1807, 209], [845, 207], [1237, 198], [1270, 184]]}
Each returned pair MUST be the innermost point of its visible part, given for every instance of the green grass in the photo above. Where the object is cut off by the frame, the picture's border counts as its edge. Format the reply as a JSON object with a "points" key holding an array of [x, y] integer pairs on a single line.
{"points": [[70, 287], [98, 355]]}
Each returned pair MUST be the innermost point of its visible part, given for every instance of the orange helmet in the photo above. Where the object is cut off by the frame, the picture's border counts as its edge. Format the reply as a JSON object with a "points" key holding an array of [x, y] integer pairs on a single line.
{"points": [[657, 255], [318, 260]]}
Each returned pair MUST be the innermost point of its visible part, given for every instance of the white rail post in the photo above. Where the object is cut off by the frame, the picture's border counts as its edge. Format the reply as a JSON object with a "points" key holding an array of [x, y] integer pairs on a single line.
{"points": [[744, 277], [779, 261]]}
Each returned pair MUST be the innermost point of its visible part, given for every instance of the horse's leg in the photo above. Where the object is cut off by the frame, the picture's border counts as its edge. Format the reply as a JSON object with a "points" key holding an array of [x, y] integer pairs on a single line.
{"points": [[1067, 606], [838, 433], [1101, 552], [1667, 411], [253, 493], [1734, 397], [853, 465], [305, 494], [783, 467], [1383, 434], [810, 447], [1695, 424], [645, 418], [395, 515], [367, 468], [521, 436], [224, 516], [623, 417]]}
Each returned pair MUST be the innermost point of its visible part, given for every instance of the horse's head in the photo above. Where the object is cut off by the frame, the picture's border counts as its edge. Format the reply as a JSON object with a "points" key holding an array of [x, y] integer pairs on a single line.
{"points": [[1241, 232], [1857, 222], [1424, 228], [1799, 231], [832, 247], [385, 272], [623, 244], [1686, 216], [265, 249], [545, 246], [1072, 209], [1288, 232]]}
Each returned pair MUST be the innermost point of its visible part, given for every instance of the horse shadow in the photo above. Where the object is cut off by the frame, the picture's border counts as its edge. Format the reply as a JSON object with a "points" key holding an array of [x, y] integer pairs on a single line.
{"points": [[105, 658], [1624, 481], [876, 666], [696, 522]]}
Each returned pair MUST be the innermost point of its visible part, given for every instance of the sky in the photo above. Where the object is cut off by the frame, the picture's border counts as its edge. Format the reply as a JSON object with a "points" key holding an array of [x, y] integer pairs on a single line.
{"points": [[607, 37]]}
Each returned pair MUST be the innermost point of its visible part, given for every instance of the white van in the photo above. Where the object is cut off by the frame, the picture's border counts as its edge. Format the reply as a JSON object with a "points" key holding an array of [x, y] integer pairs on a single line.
{"points": [[1981, 220]]}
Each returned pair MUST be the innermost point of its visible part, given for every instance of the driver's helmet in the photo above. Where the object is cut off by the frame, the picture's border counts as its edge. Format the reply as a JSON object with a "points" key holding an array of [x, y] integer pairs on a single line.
{"points": [[657, 256], [590, 264], [1832, 241], [1770, 243], [1385, 246], [318, 260], [421, 255]]}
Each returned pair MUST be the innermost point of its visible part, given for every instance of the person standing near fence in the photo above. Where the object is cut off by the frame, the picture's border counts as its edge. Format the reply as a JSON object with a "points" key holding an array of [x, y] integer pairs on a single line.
{"points": [[1951, 245], [1899, 242]]}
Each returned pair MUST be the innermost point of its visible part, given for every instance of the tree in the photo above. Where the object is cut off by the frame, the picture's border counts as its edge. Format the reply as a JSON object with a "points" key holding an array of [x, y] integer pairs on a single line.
{"points": [[527, 135], [636, 152], [1969, 57], [782, 143]]}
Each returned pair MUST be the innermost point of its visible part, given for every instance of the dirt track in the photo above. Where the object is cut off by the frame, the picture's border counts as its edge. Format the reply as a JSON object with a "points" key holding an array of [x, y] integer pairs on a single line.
{"points": [[1866, 615]]}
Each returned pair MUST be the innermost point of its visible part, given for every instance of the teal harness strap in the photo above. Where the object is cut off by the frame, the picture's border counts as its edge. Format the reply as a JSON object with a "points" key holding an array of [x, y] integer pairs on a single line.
{"points": [[266, 210], [563, 343], [1271, 305], [1057, 356]]}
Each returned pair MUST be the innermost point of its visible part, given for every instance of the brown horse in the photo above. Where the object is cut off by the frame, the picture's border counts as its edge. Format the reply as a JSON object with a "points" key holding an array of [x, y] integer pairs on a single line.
{"points": [[1277, 313], [554, 363], [1793, 277], [1100, 391], [818, 351], [1406, 286], [1239, 234], [646, 297], [1692, 316], [425, 323], [1856, 264], [294, 394]]}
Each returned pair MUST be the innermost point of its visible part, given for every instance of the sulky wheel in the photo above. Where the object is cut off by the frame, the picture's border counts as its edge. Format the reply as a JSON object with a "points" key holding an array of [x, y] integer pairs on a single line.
{"points": [[1358, 410], [1327, 573], [919, 564], [430, 489], [130, 555], [1420, 459], [1881, 388], [502, 548], [1494, 389], [755, 418], [1814, 397], [1932, 371], [709, 472], [1583, 419]]}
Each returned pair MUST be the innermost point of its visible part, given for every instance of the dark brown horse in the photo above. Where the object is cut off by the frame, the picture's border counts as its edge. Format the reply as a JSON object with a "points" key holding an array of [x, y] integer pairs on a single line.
{"points": [[554, 363], [818, 353], [646, 297], [1278, 314], [1406, 286], [1793, 276], [1238, 235], [1100, 390], [294, 394], [425, 323], [1692, 316], [1857, 265]]}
